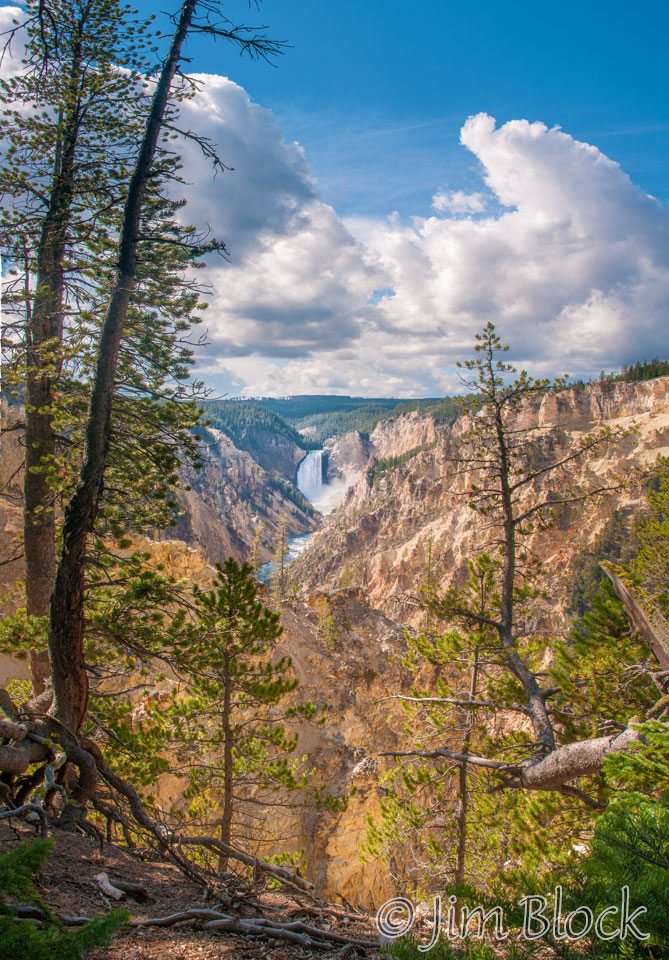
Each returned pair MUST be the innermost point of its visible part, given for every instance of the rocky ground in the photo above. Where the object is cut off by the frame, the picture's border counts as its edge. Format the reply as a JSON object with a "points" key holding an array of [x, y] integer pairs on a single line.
{"points": [[68, 886]]}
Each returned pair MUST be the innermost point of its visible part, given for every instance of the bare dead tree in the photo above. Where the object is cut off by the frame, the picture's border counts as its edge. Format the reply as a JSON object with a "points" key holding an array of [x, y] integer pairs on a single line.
{"points": [[517, 488]]}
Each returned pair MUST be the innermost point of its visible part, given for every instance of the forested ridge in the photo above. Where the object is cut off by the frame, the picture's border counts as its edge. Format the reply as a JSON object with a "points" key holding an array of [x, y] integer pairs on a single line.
{"points": [[235, 416]]}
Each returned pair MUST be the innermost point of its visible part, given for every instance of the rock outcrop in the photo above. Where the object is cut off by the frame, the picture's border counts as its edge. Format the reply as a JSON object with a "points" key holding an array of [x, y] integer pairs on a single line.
{"points": [[223, 503], [274, 452], [347, 455], [383, 528]]}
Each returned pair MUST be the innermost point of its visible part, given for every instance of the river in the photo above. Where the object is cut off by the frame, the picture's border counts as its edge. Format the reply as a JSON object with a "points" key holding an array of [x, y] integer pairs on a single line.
{"points": [[323, 496]]}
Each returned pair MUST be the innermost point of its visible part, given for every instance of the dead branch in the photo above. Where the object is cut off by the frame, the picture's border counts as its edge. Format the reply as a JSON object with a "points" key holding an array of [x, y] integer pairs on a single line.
{"points": [[516, 707], [570, 791], [640, 619], [33, 808], [553, 772], [168, 842], [295, 931], [135, 890], [451, 755], [279, 873], [573, 760], [108, 888]]}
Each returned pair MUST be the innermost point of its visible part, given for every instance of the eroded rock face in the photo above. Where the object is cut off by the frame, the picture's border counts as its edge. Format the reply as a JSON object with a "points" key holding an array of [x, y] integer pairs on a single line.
{"points": [[348, 454], [228, 498], [382, 534], [392, 438], [385, 529], [350, 671], [275, 453]]}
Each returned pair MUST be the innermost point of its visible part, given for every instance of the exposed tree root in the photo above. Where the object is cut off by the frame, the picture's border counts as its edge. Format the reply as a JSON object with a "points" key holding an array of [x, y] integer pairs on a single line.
{"points": [[28, 808], [294, 931]]}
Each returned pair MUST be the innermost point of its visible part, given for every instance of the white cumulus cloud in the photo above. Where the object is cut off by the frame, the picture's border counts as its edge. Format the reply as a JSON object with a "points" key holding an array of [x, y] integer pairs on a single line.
{"points": [[459, 202], [573, 269], [565, 254], [558, 248]]}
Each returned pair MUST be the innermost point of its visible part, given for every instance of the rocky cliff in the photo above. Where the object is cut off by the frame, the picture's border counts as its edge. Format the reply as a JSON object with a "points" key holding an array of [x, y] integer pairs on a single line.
{"points": [[380, 536], [223, 503], [220, 505], [383, 528], [274, 452]]}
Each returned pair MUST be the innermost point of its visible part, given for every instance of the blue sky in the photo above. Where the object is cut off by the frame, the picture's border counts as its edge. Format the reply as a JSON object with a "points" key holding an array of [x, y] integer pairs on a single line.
{"points": [[406, 174], [377, 91]]}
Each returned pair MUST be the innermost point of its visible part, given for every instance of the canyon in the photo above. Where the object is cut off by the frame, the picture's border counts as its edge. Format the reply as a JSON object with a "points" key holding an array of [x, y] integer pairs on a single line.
{"points": [[400, 504], [386, 526]]}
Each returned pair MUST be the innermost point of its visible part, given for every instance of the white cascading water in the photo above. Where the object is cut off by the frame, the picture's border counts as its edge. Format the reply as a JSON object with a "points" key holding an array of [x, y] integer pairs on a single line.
{"points": [[310, 475], [323, 496]]}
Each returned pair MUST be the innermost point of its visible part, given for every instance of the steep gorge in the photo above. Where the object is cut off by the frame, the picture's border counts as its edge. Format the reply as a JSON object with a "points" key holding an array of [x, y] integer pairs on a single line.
{"points": [[384, 528], [380, 536], [223, 503]]}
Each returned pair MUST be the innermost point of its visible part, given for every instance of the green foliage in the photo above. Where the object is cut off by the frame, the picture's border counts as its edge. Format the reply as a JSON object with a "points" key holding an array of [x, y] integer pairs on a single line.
{"points": [[649, 570], [598, 664], [484, 650], [85, 82], [380, 468], [364, 418], [325, 416], [235, 417], [421, 794], [616, 543], [328, 627], [641, 370], [50, 940], [320, 417], [410, 947], [313, 405], [233, 729], [407, 948], [629, 847], [290, 492], [279, 563]]}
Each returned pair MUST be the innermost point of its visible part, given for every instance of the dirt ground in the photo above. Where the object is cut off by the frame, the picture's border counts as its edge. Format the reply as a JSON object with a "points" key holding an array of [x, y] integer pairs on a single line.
{"points": [[67, 884]]}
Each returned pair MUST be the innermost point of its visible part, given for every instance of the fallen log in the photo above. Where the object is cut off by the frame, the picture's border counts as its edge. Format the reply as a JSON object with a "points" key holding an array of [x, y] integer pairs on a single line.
{"points": [[107, 888], [299, 926], [135, 890], [279, 873], [247, 928], [196, 913], [295, 931]]}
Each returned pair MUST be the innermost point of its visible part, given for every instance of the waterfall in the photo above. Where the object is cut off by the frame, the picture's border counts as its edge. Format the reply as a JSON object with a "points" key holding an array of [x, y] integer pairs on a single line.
{"points": [[310, 475]]}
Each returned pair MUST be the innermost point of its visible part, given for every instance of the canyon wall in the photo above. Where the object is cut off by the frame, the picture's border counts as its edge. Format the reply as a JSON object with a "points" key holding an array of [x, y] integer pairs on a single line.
{"points": [[384, 529], [222, 504], [380, 537], [274, 452]]}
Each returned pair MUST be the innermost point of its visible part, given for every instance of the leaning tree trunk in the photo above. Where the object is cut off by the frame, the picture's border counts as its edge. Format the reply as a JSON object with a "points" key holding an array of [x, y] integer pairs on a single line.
{"points": [[66, 624], [44, 336], [462, 814], [541, 723], [228, 765]]}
